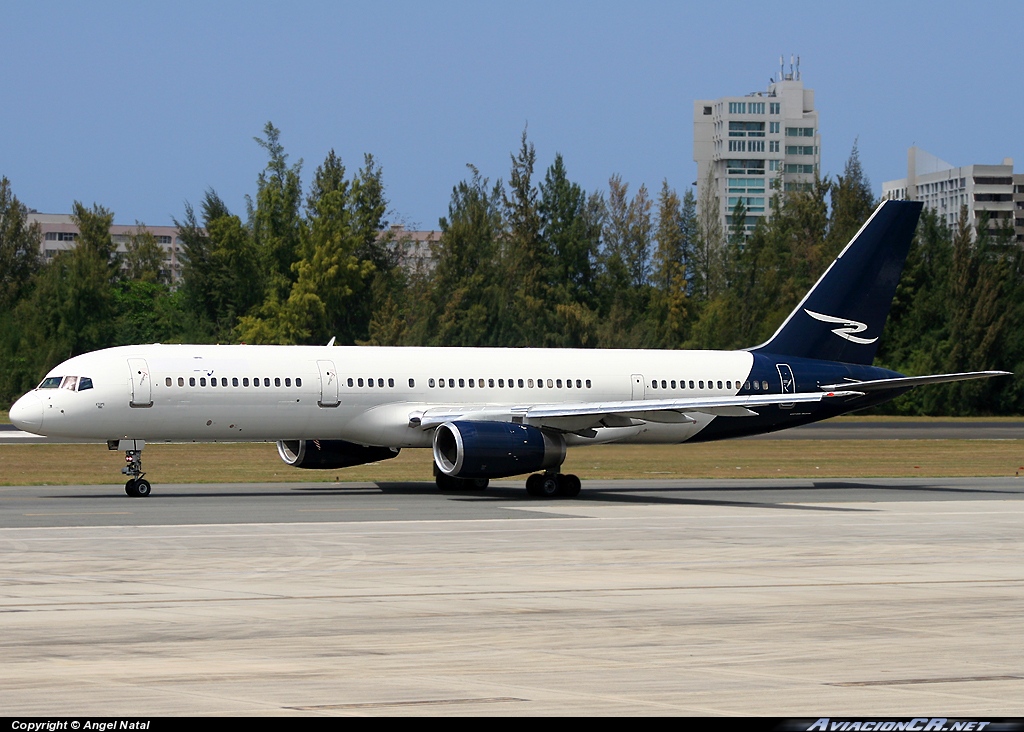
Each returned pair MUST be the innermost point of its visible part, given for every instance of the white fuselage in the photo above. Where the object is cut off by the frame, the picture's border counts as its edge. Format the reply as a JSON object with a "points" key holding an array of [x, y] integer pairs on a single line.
{"points": [[366, 395]]}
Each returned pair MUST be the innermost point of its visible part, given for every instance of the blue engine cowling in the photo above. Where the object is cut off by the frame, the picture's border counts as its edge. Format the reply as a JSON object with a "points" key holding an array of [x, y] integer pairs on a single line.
{"points": [[330, 454], [495, 449]]}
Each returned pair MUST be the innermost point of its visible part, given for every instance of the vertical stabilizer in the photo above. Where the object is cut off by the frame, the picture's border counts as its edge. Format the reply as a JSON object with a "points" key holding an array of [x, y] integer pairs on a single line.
{"points": [[842, 317]]}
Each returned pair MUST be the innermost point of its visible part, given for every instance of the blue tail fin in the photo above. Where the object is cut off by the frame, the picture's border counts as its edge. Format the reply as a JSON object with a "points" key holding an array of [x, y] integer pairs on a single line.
{"points": [[843, 315]]}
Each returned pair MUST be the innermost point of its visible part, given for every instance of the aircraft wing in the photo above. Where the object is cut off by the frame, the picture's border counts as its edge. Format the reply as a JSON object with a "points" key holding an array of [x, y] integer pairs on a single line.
{"points": [[577, 416], [908, 382]]}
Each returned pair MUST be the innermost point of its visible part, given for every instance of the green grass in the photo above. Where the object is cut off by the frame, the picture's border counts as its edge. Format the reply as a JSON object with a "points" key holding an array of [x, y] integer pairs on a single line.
{"points": [[258, 462]]}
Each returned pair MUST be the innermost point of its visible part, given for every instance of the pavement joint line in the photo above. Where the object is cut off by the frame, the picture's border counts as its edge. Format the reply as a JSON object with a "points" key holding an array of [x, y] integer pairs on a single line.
{"points": [[499, 593]]}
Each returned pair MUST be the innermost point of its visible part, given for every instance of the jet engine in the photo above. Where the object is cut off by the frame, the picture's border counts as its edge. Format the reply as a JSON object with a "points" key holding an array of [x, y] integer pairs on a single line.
{"points": [[495, 449], [329, 454]]}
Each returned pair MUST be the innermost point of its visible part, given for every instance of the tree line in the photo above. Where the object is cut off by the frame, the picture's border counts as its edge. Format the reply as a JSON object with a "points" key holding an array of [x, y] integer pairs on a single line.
{"points": [[534, 260]]}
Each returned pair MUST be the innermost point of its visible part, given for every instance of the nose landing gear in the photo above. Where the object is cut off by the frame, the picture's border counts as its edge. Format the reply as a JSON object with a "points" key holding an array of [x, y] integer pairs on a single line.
{"points": [[137, 486]]}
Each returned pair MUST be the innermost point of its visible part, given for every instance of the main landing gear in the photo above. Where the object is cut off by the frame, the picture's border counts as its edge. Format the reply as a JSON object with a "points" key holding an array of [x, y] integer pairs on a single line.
{"points": [[553, 485], [137, 486], [449, 483]]}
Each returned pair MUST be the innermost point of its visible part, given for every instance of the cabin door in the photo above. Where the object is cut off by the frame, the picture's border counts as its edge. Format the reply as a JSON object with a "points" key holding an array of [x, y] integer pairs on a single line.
{"points": [[638, 386], [142, 385], [328, 384], [788, 382]]}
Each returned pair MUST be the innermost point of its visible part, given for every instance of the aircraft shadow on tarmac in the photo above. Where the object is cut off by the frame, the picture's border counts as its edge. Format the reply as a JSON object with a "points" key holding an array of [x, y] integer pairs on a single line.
{"points": [[793, 496]]}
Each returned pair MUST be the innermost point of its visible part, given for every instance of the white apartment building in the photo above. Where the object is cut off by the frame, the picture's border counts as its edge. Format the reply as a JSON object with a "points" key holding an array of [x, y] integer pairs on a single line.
{"points": [[60, 232], [755, 144], [984, 189]]}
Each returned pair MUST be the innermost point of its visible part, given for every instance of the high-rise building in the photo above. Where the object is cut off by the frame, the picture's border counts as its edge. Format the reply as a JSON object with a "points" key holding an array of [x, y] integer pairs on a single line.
{"points": [[748, 146], [986, 190]]}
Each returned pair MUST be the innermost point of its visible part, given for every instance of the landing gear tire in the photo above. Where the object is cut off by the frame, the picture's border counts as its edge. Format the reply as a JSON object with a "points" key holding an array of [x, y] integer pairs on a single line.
{"points": [[553, 485], [138, 488], [448, 483]]}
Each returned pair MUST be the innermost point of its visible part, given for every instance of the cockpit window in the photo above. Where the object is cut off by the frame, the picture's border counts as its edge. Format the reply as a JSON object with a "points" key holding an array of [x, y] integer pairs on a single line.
{"points": [[71, 383], [84, 383], [50, 382]]}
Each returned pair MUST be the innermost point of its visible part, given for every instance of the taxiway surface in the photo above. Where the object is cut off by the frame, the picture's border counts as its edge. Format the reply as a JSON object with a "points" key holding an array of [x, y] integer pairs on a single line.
{"points": [[785, 597]]}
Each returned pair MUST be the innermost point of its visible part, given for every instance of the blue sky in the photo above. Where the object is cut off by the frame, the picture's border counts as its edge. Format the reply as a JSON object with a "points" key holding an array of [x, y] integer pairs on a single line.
{"points": [[141, 106]]}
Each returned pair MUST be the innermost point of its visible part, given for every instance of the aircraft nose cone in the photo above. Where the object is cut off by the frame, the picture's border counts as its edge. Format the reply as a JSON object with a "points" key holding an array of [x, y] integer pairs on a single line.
{"points": [[27, 413]]}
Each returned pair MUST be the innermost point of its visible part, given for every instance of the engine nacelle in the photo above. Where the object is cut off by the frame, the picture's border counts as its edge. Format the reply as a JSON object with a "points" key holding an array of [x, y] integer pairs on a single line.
{"points": [[329, 454], [495, 449]]}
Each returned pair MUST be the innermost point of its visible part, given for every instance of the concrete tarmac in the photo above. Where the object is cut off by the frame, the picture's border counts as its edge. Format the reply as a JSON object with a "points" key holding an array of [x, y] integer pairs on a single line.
{"points": [[789, 598]]}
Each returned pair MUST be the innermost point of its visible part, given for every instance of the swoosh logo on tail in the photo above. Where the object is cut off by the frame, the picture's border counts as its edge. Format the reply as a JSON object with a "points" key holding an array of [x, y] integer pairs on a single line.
{"points": [[850, 327]]}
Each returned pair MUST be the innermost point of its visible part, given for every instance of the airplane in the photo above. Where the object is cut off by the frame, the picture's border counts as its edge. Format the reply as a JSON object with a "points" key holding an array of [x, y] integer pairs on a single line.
{"points": [[491, 413]]}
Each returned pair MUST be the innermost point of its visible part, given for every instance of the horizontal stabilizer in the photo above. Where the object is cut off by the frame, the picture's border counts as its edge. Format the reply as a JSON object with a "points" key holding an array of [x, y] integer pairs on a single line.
{"points": [[908, 382]]}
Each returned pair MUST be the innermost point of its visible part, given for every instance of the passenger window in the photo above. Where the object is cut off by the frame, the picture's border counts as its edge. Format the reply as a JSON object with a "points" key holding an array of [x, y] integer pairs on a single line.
{"points": [[521, 384], [412, 384], [86, 383], [181, 382], [529, 383], [360, 381], [501, 383], [462, 383], [691, 384], [224, 381], [430, 383], [213, 382], [490, 383], [245, 381], [266, 381], [440, 383], [191, 381], [663, 384], [350, 381], [451, 383], [287, 382], [202, 381], [558, 383], [167, 381], [719, 384], [764, 385], [551, 384], [757, 386], [234, 381], [673, 383], [578, 385], [728, 385], [471, 383], [654, 383], [588, 383]]}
